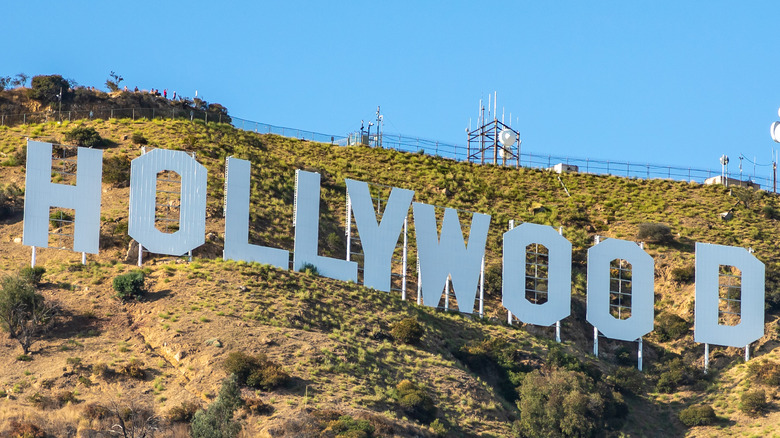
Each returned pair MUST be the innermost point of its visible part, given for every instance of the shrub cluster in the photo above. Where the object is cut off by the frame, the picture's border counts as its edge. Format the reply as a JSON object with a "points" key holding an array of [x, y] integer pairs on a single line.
{"points": [[134, 369], [627, 380], [655, 233], [116, 170], [184, 412], [84, 136], [675, 373], [564, 403], [57, 218], [414, 401], [348, 427], [764, 372], [255, 371], [32, 275], [25, 430], [753, 403], [138, 138], [669, 326], [702, 415], [684, 274], [408, 331], [129, 286]]}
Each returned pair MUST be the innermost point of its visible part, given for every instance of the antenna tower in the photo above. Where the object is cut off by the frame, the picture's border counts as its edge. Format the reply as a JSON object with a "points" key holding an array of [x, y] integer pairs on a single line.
{"points": [[493, 138]]}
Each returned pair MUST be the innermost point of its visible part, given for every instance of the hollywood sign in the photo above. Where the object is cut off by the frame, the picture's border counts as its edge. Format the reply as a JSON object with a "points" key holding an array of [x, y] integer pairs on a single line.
{"points": [[441, 255]]}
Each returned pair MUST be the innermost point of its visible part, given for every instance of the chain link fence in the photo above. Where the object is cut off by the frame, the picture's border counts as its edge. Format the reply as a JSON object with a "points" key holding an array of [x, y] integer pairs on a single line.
{"points": [[765, 179]]}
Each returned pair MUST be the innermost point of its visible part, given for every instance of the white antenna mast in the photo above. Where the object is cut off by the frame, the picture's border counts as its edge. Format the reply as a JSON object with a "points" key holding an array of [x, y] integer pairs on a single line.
{"points": [[489, 96], [495, 100]]}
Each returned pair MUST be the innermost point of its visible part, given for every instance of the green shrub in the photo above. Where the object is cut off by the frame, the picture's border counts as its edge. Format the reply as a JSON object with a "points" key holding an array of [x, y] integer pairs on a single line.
{"points": [[217, 420], [497, 361], [702, 415], [84, 136], [116, 170], [255, 371], [348, 427], [408, 331], [675, 373], [560, 403], [769, 212], [669, 326], [129, 286], [134, 369], [138, 138], [627, 380], [32, 275], [438, 428], [753, 403], [59, 218], [655, 233], [184, 412], [684, 274], [414, 401], [309, 269], [764, 372]]}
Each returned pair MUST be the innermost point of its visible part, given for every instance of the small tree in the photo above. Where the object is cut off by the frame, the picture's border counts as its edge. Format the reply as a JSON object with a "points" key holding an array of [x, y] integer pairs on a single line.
{"points": [[24, 314], [46, 89], [113, 81], [217, 420], [20, 80]]}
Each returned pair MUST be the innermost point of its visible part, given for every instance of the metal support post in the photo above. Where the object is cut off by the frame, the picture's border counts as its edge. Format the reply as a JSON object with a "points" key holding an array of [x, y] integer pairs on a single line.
{"points": [[706, 358], [32, 259], [482, 289], [596, 341], [140, 254], [447, 294], [83, 258], [557, 331], [419, 280], [509, 312], [403, 261], [639, 355], [348, 227], [747, 352], [190, 256]]}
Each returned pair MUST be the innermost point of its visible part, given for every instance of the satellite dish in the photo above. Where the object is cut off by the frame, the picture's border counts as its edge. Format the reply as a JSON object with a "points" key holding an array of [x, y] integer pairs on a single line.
{"points": [[774, 131], [507, 137]]}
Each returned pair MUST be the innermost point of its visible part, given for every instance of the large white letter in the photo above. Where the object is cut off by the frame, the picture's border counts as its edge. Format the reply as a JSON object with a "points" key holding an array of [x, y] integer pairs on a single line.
{"points": [[237, 246], [143, 197], [379, 241], [706, 329], [41, 194], [449, 255], [307, 231], [558, 305], [642, 281]]}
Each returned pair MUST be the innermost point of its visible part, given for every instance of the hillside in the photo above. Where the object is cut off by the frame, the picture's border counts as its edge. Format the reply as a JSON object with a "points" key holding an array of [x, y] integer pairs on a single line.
{"points": [[334, 339]]}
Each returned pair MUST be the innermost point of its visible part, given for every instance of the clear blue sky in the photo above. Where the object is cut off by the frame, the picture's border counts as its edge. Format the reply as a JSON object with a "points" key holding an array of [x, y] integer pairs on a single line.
{"points": [[664, 82]]}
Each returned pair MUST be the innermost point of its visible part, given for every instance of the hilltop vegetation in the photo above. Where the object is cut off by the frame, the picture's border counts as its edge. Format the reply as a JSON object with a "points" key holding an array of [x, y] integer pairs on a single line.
{"points": [[355, 362]]}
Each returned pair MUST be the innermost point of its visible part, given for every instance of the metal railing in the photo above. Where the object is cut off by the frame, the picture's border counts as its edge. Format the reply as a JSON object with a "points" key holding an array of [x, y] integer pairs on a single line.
{"points": [[398, 142]]}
